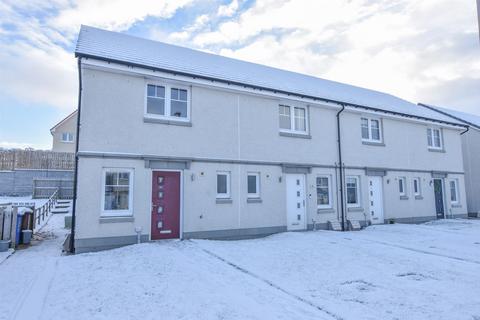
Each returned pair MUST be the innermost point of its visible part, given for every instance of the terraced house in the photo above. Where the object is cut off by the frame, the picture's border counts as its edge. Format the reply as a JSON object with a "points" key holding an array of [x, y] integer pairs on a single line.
{"points": [[177, 143]]}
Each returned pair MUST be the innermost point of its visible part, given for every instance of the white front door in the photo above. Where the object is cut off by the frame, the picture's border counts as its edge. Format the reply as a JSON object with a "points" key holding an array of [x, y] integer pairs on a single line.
{"points": [[375, 191], [296, 217]]}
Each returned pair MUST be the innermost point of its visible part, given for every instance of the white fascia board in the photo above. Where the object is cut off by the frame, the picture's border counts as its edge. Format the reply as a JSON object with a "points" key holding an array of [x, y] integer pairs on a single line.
{"points": [[402, 118], [186, 80]]}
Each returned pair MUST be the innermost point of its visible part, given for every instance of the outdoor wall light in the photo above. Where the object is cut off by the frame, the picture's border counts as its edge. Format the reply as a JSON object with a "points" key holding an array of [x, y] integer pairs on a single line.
{"points": [[280, 179], [192, 177]]}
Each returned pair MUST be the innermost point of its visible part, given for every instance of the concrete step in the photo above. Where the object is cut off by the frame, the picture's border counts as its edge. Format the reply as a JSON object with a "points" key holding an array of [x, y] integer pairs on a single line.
{"points": [[61, 206], [354, 225], [62, 210], [64, 201], [334, 225]]}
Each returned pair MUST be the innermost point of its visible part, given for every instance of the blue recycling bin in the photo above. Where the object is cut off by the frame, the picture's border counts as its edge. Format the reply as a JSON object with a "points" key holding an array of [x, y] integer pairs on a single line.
{"points": [[18, 228]]}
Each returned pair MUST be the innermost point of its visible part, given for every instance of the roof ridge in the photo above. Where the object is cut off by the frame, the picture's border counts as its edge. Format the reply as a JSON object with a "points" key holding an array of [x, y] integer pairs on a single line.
{"points": [[234, 59], [110, 46]]}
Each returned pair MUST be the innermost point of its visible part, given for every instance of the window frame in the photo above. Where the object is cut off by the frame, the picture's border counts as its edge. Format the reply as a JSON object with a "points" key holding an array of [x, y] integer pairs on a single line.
{"points": [[369, 127], [432, 137], [457, 194], [69, 135], [357, 181], [257, 185], [418, 192], [402, 193], [226, 195], [292, 119], [168, 101], [117, 213], [330, 197]]}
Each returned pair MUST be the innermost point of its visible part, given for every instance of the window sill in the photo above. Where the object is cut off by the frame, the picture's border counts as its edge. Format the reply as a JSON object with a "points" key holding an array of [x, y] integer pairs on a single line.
{"points": [[295, 135], [172, 122], [403, 197], [223, 201], [456, 205], [354, 209], [373, 143], [418, 198], [325, 210], [116, 219], [254, 200], [69, 142], [436, 150]]}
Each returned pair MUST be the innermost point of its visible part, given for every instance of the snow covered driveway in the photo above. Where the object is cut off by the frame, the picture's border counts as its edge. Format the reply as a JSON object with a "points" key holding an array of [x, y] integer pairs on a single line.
{"points": [[429, 271]]}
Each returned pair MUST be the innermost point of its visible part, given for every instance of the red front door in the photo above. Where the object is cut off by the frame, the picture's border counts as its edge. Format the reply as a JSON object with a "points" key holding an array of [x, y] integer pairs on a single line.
{"points": [[165, 205]]}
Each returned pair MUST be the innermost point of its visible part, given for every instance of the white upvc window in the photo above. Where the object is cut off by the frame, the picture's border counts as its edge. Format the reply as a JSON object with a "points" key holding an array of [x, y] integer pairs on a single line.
{"points": [[67, 137], [324, 192], [434, 138], [253, 185], [165, 101], [293, 119], [371, 130], [417, 190], [117, 192], [353, 191], [223, 184], [402, 186], [454, 198]]}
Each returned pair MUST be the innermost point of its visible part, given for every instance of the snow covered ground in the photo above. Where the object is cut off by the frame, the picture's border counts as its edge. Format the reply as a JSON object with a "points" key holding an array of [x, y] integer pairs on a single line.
{"points": [[429, 271], [38, 202], [25, 201]]}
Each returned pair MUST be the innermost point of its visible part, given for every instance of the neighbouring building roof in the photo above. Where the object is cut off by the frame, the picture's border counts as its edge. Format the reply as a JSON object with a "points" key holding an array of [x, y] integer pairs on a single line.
{"points": [[126, 49], [467, 118], [73, 114]]}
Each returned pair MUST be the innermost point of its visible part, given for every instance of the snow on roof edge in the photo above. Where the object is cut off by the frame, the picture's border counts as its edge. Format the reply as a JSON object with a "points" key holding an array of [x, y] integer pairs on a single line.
{"points": [[454, 114], [122, 48]]}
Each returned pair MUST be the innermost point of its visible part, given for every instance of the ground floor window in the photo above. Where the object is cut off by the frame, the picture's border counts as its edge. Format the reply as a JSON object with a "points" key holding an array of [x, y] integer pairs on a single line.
{"points": [[253, 185], [401, 186], [454, 191], [117, 185], [416, 187], [223, 184], [353, 191], [323, 192]]}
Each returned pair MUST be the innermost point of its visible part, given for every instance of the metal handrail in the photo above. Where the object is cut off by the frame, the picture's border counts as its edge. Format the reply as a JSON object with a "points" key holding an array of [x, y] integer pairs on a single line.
{"points": [[44, 211]]}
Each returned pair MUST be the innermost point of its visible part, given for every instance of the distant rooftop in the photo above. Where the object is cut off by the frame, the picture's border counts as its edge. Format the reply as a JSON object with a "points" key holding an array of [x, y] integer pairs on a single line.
{"points": [[122, 48], [467, 118]]}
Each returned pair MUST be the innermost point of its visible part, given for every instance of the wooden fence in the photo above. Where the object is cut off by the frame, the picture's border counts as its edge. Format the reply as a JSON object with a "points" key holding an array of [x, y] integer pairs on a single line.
{"points": [[7, 222], [36, 159], [45, 188], [8, 217]]}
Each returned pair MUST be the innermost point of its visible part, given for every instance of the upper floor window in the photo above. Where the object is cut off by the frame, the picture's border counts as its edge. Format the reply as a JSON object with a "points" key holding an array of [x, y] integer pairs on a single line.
{"points": [[165, 101], [324, 192], [353, 191], [67, 137], [293, 119], [434, 138], [371, 130]]}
